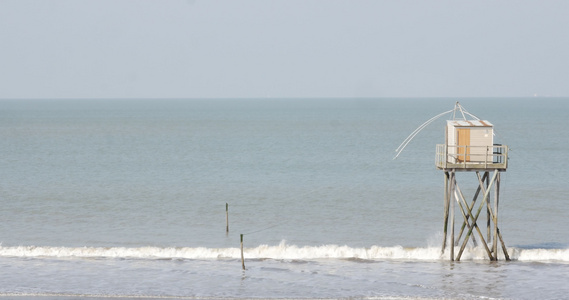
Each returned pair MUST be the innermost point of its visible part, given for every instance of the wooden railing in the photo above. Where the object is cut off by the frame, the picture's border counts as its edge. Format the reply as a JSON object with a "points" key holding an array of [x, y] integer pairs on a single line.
{"points": [[471, 157]]}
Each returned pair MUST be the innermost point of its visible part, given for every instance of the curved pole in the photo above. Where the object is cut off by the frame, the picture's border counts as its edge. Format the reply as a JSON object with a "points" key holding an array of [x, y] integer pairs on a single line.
{"points": [[414, 133]]}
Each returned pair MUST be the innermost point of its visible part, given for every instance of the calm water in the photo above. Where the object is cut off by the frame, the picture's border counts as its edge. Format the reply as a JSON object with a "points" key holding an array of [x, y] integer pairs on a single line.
{"points": [[127, 198]]}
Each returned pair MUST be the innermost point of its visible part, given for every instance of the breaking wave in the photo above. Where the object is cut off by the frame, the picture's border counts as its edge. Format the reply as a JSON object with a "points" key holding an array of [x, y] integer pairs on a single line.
{"points": [[281, 251]]}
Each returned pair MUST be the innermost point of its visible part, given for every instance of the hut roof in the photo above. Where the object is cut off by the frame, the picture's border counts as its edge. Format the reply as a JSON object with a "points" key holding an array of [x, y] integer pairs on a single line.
{"points": [[469, 123]]}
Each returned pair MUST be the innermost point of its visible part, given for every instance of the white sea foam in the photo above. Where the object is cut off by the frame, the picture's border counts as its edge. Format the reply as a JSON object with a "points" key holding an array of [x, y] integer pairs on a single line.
{"points": [[541, 254], [281, 251]]}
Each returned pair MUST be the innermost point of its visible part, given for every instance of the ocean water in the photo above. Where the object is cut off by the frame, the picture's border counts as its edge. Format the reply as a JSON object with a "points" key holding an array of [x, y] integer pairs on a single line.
{"points": [[127, 198]]}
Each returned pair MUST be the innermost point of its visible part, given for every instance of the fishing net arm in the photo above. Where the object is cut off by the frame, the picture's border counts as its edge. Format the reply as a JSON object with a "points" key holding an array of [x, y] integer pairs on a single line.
{"points": [[414, 133]]}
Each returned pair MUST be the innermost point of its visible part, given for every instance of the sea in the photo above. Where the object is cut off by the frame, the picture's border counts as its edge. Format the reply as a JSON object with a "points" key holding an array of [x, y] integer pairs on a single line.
{"points": [[153, 199]]}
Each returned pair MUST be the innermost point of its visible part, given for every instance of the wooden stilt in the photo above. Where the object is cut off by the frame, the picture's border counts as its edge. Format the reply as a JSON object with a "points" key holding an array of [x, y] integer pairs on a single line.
{"points": [[494, 218], [446, 209], [474, 225], [498, 235], [503, 246], [507, 257], [488, 217], [451, 189], [471, 206], [460, 199], [465, 223], [496, 200], [470, 227]]}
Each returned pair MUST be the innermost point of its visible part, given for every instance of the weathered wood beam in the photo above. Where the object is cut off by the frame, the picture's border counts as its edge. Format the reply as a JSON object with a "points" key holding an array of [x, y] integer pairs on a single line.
{"points": [[475, 226], [446, 211], [496, 200], [460, 199], [473, 203], [484, 201], [503, 246], [451, 189]]}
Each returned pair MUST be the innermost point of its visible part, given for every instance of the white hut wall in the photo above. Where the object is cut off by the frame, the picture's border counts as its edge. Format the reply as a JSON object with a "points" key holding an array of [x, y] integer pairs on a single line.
{"points": [[481, 140]]}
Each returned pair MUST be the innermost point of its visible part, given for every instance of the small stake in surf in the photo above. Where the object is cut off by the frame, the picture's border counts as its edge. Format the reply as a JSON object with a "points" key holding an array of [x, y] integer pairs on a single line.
{"points": [[242, 258], [226, 218]]}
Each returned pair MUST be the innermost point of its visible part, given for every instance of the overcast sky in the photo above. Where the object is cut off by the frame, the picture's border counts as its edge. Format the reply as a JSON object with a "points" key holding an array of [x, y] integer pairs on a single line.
{"points": [[265, 48]]}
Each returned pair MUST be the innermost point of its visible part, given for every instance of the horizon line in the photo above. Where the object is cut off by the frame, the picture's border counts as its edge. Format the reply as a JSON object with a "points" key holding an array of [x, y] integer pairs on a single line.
{"points": [[286, 98]]}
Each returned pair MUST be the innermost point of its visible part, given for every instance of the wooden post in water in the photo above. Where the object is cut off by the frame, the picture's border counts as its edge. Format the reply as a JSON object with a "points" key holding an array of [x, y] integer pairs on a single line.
{"points": [[496, 200], [446, 209], [226, 218], [451, 192], [489, 219], [242, 257]]}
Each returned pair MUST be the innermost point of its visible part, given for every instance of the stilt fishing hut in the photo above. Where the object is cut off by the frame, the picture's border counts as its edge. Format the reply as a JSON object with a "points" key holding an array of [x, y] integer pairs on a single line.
{"points": [[469, 147]]}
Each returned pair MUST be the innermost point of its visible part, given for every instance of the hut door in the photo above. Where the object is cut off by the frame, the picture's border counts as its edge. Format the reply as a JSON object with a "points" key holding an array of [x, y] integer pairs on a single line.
{"points": [[463, 144]]}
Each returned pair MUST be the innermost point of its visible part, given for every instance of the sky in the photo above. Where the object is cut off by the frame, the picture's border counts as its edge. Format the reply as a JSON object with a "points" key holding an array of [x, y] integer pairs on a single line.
{"points": [[280, 49]]}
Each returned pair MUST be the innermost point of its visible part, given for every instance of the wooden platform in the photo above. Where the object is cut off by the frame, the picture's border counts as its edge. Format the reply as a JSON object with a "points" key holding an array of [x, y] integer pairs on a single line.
{"points": [[461, 159], [470, 167]]}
